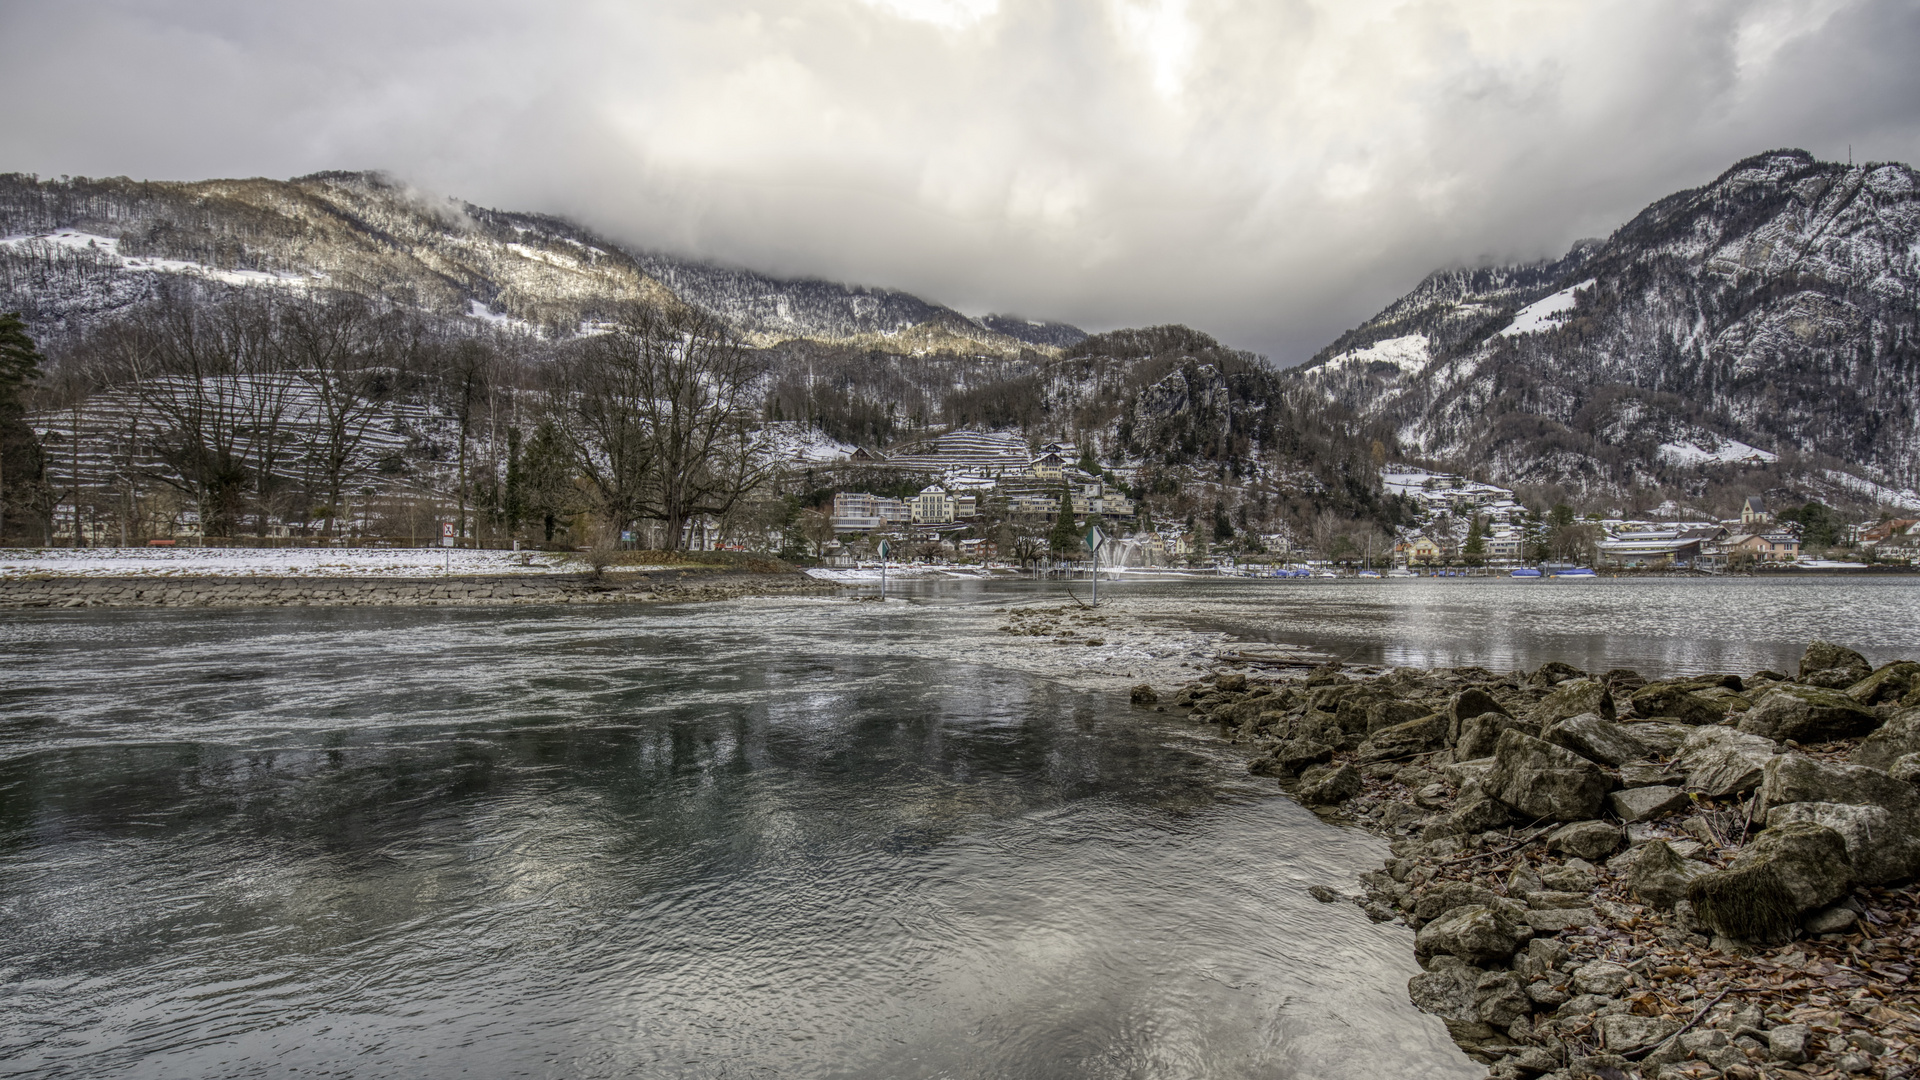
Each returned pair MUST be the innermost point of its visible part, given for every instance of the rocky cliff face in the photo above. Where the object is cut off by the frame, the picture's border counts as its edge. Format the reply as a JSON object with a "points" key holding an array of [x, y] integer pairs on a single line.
{"points": [[1768, 321], [75, 251]]}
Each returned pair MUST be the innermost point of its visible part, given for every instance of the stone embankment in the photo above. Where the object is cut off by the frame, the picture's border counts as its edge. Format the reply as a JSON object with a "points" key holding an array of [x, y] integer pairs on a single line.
{"points": [[657, 586], [1613, 877]]}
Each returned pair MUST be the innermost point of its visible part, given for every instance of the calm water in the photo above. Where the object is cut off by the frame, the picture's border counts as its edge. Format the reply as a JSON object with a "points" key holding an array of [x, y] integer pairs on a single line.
{"points": [[799, 838]]}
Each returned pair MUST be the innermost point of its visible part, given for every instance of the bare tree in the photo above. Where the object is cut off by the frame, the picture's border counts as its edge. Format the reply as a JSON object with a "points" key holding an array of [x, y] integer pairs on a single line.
{"points": [[663, 409], [337, 344]]}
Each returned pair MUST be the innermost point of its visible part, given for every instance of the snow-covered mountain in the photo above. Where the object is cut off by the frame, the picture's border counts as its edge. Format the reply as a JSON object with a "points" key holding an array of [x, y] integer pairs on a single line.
{"points": [[1761, 331], [75, 250]]}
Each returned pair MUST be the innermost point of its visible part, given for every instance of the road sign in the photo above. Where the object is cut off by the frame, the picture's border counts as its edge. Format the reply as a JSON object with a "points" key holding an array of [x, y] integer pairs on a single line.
{"points": [[446, 528], [886, 549], [1095, 538]]}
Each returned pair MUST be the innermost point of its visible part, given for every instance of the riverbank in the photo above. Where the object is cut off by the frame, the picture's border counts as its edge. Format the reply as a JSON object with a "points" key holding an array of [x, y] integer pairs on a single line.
{"points": [[664, 585], [1612, 877]]}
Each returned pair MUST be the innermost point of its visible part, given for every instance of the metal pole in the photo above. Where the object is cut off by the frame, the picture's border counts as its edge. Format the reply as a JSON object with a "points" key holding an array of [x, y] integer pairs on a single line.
{"points": [[883, 577], [1096, 575]]}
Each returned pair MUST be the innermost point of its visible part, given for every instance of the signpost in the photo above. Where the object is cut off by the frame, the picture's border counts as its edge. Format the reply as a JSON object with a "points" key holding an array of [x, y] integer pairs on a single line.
{"points": [[1094, 539], [885, 550]]}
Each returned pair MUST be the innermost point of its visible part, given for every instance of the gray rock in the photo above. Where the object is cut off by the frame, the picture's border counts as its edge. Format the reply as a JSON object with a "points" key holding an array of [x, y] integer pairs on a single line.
{"points": [[1833, 666], [1477, 812], [1837, 919], [1793, 778], [1664, 738], [1792, 1043], [1445, 991], [1328, 785], [1721, 761], [1590, 840], [1783, 874], [1881, 846], [1435, 901], [1554, 920], [1553, 673], [1807, 714], [1638, 776], [1601, 977], [1477, 934], [1385, 714], [1542, 958], [1499, 999], [1322, 893], [1544, 781], [1463, 771], [1432, 797], [1623, 1033], [1232, 680], [1658, 876], [1289, 757], [1405, 740], [1890, 682], [1681, 702], [1478, 735], [1896, 738], [1577, 876], [1647, 803], [1547, 992], [1572, 698], [1905, 768], [1143, 694], [1472, 701], [1553, 899], [1597, 740]]}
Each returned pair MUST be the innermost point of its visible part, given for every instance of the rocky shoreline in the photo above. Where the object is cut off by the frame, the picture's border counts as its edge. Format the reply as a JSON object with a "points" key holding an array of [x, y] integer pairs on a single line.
{"points": [[677, 585], [1612, 877]]}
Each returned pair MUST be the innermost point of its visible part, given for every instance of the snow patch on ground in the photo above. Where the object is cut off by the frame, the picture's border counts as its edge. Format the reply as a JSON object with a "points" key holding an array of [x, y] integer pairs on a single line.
{"points": [[277, 562], [1906, 498], [903, 570], [109, 248], [1409, 354], [792, 440], [1709, 450], [1546, 313], [1829, 564]]}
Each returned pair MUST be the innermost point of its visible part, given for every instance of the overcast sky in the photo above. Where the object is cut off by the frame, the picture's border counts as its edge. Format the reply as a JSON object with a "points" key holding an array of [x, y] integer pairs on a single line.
{"points": [[1272, 171]]}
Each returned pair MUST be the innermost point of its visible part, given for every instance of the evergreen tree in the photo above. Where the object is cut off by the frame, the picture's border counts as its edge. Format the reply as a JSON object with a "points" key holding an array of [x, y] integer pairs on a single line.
{"points": [[21, 462], [1222, 524], [1476, 549], [1066, 533]]}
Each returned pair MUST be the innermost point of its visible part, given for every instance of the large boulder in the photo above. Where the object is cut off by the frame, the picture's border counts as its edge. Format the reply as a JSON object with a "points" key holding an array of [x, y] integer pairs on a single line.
{"points": [[1290, 757], [1477, 735], [1572, 698], [1434, 901], [1657, 874], [1832, 666], [1476, 812], [1589, 840], [1721, 761], [1782, 875], [1807, 714], [1386, 714], [1896, 738], [1890, 683], [1881, 844], [1404, 740], [1478, 934], [1597, 740], [1679, 701], [1797, 778], [1472, 701], [1647, 803], [1541, 780], [1445, 990], [1662, 737], [1327, 785]]}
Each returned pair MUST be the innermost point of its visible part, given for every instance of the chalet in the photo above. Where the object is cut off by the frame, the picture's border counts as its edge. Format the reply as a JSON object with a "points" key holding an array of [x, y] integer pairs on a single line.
{"points": [[1772, 547], [1049, 466]]}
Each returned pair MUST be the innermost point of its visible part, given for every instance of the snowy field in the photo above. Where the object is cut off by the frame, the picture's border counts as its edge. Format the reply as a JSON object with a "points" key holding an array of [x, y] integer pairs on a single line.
{"points": [[277, 562], [1545, 313]]}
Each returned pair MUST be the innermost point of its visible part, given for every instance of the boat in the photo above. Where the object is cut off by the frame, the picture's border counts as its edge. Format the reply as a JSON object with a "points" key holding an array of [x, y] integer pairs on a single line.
{"points": [[1401, 571], [1525, 572], [1368, 573], [1575, 572]]}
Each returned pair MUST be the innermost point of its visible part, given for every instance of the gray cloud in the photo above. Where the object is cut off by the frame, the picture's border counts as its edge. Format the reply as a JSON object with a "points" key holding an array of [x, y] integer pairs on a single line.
{"points": [[1270, 170]]}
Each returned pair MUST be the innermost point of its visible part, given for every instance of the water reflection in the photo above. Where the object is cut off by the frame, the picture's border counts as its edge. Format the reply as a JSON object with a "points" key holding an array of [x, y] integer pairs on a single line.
{"points": [[779, 840]]}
